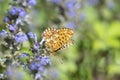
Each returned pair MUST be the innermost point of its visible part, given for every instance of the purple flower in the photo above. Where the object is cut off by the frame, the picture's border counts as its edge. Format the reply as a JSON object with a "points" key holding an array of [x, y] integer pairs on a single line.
{"points": [[71, 25], [9, 72], [19, 21], [6, 19], [14, 11], [40, 68], [56, 1], [35, 65], [2, 33], [32, 2], [38, 76], [20, 37], [71, 13], [32, 36], [92, 2], [39, 63], [22, 12], [36, 46], [13, 27], [17, 11], [14, 73], [44, 60], [70, 4], [23, 55]]}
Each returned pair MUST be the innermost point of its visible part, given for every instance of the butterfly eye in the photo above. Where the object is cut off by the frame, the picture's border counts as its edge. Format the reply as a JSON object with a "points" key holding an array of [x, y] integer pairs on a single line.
{"points": [[57, 39]]}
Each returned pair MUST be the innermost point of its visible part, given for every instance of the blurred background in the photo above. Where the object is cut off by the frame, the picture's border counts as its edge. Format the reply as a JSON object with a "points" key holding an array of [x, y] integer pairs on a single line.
{"points": [[95, 54]]}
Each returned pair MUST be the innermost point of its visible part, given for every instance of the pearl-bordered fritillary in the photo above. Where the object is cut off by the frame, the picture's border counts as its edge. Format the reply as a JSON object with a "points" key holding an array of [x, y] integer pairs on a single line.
{"points": [[57, 39]]}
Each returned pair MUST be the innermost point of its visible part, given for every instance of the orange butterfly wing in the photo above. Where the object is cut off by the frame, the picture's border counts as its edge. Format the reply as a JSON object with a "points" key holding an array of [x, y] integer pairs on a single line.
{"points": [[57, 39]]}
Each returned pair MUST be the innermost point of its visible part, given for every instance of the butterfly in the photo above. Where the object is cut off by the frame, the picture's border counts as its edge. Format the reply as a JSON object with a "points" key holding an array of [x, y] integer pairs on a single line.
{"points": [[57, 39]]}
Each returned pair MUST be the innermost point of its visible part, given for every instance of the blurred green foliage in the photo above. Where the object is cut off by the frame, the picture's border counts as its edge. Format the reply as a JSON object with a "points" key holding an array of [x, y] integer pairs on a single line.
{"points": [[95, 54]]}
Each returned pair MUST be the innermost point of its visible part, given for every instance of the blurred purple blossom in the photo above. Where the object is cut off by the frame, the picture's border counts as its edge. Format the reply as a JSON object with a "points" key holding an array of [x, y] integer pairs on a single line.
{"points": [[92, 2], [36, 46], [17, 11], [6, 19], [70, 4], [45, 60], [9, 72], [12, 27], [14, 11], [32, 36], [38, 76], [23, 55], [36, 66], [19, 21], [20, 37], [39, 63], [70, 24], [2, 33], [56, 1], [32, 2], [71, 13], [22, 12], [14, 74]]}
